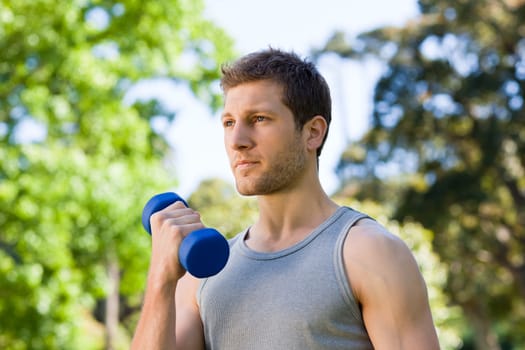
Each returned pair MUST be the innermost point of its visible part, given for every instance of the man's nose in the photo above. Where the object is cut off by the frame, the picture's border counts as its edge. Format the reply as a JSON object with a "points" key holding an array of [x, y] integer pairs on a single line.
{"points": [[239, 137]]}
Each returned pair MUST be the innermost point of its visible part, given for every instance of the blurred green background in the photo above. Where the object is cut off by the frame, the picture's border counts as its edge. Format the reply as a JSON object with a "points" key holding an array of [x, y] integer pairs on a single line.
{"points": [[442, 164]]}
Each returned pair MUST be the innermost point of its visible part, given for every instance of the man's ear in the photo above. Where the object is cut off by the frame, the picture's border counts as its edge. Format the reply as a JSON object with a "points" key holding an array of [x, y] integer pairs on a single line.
{"points": [[315, 130]]}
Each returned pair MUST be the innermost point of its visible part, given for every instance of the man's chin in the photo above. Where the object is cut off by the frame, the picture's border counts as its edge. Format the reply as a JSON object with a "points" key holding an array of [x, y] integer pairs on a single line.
{"points": [[246, 190]]}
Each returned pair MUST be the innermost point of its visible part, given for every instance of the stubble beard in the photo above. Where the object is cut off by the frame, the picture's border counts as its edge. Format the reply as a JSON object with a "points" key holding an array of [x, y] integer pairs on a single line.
{"points": [[287, 168]]}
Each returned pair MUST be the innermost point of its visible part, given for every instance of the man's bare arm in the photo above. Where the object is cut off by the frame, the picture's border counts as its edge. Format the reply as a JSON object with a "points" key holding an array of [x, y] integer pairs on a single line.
{"points": [[167, 321], [387, 282], [156, 327], [189, 330]]}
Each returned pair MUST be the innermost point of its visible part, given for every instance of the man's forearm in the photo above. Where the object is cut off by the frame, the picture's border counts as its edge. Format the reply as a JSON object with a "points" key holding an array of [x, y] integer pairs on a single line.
{"points": [[156, 326]]}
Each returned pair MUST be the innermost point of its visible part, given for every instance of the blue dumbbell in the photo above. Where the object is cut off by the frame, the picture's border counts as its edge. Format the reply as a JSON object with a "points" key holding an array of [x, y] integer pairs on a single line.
{"points": [[204, 252]]}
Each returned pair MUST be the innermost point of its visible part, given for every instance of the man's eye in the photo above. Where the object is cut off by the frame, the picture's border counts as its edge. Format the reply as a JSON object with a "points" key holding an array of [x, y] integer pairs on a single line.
{"points": [[227, 123], [260, 118]]}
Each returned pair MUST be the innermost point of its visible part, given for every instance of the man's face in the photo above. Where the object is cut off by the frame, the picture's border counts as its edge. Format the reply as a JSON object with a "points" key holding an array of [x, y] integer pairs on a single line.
{"points": [[267, 154]]}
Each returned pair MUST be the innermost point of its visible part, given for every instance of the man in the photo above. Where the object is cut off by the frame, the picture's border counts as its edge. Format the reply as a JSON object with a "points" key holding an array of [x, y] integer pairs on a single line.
{"points": [[308, 274]]}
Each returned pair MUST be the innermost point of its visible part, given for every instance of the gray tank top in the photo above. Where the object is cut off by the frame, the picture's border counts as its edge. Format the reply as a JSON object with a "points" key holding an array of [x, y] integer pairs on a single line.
{"points": [[296, 298]]}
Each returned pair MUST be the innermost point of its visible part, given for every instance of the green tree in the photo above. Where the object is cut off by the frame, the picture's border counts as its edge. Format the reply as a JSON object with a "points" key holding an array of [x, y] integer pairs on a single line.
{"points": [[448, 111], [77, 164]]}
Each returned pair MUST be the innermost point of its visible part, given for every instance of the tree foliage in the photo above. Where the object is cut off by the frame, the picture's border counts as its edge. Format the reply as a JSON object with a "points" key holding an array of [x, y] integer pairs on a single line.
{"points": [[77, 164], [448, 112]]}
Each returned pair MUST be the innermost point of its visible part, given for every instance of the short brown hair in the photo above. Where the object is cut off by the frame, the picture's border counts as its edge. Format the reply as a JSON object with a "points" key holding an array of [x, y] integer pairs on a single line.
{"points": [[305, 91]]}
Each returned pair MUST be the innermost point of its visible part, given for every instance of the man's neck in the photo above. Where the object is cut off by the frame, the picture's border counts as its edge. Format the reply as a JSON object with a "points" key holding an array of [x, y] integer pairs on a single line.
{"points": [[286, 218]]}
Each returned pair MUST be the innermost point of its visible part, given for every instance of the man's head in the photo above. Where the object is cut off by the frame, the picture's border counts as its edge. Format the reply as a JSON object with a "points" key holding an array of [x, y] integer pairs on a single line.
{"points": [[305, 91]]}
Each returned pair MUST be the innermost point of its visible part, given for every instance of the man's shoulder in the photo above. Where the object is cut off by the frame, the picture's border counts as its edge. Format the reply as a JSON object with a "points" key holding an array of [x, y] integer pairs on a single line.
{"points": [[374, 257], [368, 234]]}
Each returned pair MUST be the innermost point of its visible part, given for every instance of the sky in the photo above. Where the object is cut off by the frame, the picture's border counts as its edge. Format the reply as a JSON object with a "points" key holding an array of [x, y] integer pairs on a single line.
{"points": [[297, 25]]}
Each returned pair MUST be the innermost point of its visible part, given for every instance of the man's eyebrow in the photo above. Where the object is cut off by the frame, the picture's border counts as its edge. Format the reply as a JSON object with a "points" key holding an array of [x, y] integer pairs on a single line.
{"points": [[259, 109], [243, 113]]}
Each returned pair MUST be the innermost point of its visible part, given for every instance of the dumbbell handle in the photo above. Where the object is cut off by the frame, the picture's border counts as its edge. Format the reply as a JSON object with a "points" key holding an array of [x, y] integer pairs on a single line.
{"points": [[204, 252]]}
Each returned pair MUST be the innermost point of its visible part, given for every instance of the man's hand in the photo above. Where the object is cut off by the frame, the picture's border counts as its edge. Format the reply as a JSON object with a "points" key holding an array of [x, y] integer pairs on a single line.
{"points": [[169, 227]]}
